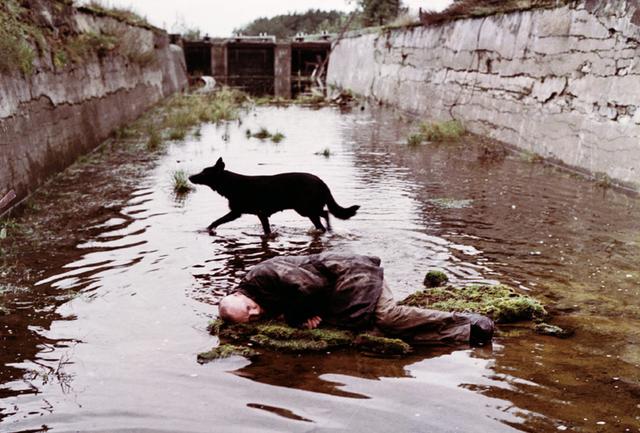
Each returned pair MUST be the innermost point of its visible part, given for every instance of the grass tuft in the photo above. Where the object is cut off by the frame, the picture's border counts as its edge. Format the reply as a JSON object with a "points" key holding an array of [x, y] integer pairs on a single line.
{"points": [[277, 137], [326, 152], [181, 182], [262, 134], [155, 138], [450, 130], [415, 140]]}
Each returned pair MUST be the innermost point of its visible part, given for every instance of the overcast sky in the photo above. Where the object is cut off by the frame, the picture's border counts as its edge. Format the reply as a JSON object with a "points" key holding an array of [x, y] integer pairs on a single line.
{"points": [[220, 17]]}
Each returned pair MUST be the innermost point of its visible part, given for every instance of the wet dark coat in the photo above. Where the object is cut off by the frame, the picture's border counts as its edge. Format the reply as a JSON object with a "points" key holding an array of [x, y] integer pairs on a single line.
{"points": [[342, 289]]}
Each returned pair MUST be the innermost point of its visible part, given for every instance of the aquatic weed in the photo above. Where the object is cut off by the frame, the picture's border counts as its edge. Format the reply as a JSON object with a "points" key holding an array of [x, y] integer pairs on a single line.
{"points": [[277, 137], [326, 152], [155, 139], [181, 182], [262, 134], [603, 180], [531, 157], [415, 139]]}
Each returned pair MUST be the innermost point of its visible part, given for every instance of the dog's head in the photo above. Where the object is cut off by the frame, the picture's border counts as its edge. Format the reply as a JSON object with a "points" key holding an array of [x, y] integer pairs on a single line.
{"points": [[209, 176]]}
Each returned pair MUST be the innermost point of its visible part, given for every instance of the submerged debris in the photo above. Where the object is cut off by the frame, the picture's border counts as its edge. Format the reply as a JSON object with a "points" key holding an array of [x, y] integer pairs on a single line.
{"points": [[501, 303], [552, 330]]}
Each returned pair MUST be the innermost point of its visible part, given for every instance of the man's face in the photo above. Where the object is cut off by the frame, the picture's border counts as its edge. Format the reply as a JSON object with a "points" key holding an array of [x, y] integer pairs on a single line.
{"points": [[240, 308]]}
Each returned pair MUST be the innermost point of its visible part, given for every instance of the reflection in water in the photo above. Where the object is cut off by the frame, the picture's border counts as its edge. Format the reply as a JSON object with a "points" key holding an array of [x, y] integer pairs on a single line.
{"points": [[109, 337]]}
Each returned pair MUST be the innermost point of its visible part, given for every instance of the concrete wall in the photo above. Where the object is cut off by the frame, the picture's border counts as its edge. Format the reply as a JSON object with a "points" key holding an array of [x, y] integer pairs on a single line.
{"points": [[51, 117], [563, 83]]}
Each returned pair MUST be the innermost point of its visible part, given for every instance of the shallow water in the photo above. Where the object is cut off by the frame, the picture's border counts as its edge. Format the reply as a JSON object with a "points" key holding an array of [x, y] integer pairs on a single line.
{"points": [[120, 354]]}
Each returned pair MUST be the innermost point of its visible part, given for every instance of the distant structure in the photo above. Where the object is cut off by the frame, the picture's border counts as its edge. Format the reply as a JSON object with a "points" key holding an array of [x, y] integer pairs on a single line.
{"points": [[260, 65]]}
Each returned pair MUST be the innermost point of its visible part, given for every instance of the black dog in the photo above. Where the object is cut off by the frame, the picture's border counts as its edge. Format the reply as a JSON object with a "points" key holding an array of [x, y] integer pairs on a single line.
{"points": [[265, 195]]}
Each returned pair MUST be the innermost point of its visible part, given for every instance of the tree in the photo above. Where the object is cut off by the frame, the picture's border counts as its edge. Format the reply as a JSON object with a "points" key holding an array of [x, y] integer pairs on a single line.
{"points": [[379, 12]]}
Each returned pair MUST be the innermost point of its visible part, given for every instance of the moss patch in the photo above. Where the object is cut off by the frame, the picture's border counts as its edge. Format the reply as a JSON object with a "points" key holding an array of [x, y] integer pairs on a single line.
{"points": [[381, 345], [501, 303], [225, 351], [277, 336], [435, 278]]}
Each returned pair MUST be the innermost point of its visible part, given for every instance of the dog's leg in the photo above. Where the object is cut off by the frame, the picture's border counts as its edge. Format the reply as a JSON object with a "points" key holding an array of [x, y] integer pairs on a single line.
{"points": [[264, 219], [315, 219], [325, 215], [225, 219]]}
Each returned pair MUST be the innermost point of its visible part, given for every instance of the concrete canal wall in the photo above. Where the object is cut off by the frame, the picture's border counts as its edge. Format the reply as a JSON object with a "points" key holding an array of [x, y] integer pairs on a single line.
{"points": [[64, 108], [563, 83]]}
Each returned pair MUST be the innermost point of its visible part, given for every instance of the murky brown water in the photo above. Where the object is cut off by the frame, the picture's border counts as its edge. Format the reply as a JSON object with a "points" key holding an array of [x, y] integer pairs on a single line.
{"points": [[109, 342]]}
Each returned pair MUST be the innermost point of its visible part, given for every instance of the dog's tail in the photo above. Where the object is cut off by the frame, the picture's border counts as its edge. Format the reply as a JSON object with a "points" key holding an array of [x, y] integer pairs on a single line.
{"points": [[339, 211]]}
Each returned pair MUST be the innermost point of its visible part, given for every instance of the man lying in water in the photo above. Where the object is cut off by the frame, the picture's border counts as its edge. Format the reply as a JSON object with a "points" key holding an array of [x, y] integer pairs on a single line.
{"points": [[344, 291]]}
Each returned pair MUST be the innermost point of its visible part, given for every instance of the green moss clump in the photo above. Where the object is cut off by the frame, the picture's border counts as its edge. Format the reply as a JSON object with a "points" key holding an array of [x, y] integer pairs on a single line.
{"points": [[294, 345], [501, 303], [333, 337], [282, 338], [381, 345], [225, 351], [276, 330], [435, 278]]}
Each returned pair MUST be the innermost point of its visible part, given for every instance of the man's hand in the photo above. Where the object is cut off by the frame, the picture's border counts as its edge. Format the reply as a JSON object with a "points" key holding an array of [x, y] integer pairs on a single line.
{"points": [[312, 322]]}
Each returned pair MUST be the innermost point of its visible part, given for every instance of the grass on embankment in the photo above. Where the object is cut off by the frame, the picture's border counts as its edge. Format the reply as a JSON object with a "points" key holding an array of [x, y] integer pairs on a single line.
{"points": [[482, 8], [25, 36], [450, 130]]}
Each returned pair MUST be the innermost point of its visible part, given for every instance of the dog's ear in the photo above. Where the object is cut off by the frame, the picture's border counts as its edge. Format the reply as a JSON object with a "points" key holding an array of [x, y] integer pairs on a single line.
{"points": [[219, 164]]}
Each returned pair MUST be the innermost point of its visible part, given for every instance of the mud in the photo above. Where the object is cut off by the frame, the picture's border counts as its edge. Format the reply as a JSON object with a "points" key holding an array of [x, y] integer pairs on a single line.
{"points": [[114, 280]]}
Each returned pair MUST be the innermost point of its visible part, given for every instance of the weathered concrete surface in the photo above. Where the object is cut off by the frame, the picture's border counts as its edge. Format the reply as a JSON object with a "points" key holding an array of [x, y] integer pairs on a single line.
{"points": [[563, 83], [51, 117], [282, 65]]}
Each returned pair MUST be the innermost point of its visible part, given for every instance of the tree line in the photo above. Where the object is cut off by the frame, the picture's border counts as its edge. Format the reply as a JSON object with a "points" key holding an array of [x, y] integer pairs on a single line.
{"points": [[369, 13]]}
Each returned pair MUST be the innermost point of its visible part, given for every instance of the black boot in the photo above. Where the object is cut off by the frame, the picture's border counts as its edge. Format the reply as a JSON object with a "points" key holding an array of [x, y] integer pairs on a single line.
{"points": [[481, 329]]}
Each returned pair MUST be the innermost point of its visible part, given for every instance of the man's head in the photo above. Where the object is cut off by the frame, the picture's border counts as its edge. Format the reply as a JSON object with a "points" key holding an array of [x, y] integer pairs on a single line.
{"points": [[239, 308]]}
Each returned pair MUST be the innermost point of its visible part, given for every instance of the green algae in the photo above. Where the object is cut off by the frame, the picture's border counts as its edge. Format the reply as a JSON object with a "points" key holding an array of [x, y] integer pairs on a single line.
{"points": [[225, 351], [501, 303], [435, 278]]}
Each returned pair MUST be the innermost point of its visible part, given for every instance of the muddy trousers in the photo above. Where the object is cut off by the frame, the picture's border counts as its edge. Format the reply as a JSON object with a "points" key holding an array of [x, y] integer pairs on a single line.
{"points": [[420, 325]]}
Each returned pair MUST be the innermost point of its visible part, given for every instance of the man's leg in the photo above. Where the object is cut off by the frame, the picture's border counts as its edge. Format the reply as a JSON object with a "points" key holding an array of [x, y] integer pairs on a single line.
{"points": [[422, 325]]}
